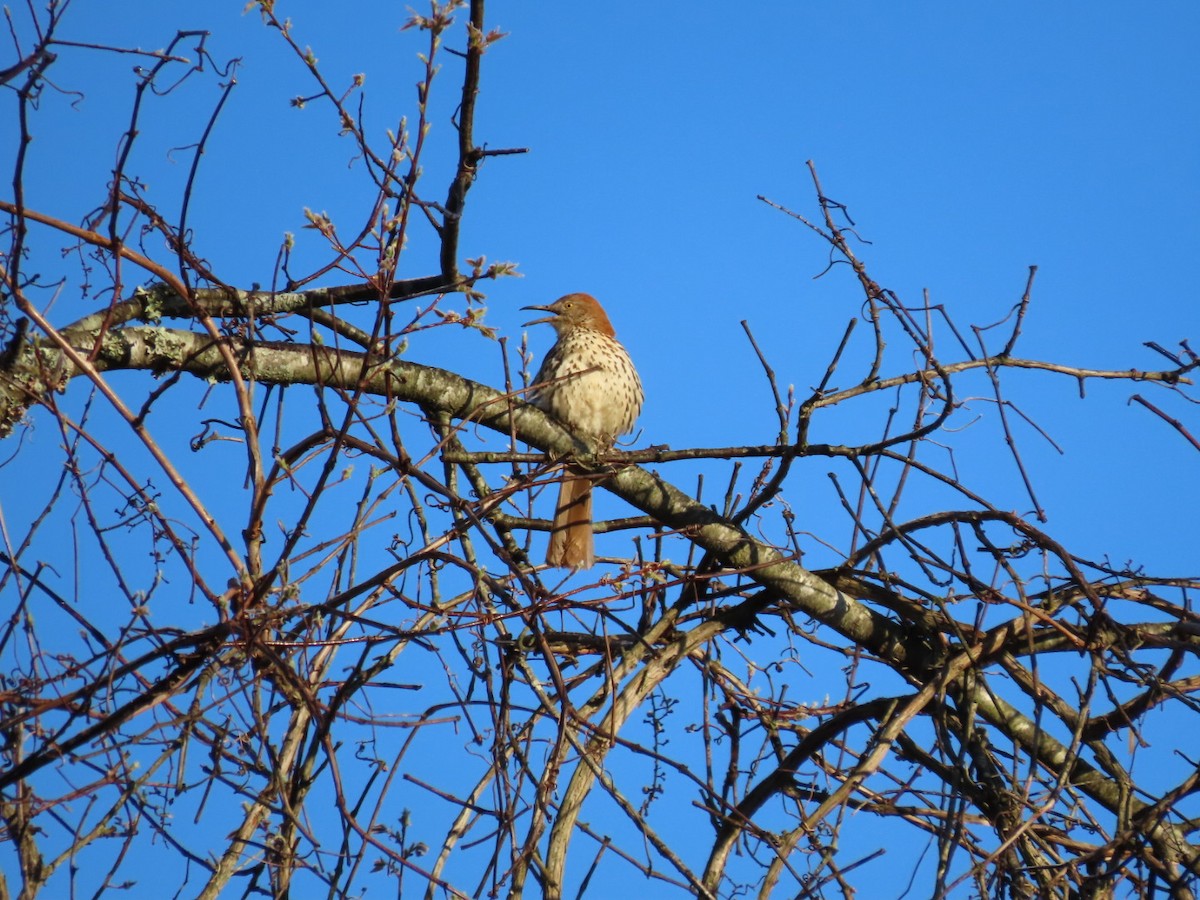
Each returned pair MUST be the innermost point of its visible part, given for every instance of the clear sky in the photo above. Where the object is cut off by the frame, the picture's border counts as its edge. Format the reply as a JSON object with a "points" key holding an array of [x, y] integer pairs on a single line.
{"points": [[968, 141]]}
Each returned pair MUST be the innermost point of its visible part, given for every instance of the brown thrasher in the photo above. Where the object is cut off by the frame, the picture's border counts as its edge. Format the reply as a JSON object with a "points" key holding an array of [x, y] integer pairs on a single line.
{"points": [[587, 381]]}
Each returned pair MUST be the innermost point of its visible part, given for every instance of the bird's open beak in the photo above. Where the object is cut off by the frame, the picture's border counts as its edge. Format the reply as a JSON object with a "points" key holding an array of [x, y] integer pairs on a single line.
{"points": [[550, 318]]}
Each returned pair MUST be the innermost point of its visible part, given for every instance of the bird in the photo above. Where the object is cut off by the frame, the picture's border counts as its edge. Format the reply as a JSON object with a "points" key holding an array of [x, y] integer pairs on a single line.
{"points": [[588, 382]]}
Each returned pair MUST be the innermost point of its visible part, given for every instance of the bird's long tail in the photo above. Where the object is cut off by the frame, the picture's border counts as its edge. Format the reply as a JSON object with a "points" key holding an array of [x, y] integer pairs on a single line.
{"points": [[571, 545]]}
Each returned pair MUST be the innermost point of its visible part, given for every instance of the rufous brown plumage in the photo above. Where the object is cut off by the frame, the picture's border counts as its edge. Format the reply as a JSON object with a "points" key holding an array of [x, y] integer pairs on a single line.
{"points": [[587, 381]]}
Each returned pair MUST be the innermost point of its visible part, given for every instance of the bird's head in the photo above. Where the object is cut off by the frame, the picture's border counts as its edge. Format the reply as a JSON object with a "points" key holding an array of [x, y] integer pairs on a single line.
{"points": [[574, 311]]}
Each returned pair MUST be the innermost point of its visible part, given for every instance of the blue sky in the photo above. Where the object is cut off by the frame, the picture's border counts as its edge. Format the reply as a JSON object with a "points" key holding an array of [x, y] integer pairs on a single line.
{"points": [[967, 141]]}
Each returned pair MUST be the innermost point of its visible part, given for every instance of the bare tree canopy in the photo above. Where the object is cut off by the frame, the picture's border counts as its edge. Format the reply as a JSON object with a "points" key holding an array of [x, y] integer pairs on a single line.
{"points": [[275, 614]]}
